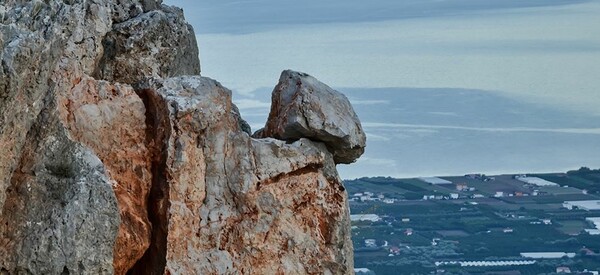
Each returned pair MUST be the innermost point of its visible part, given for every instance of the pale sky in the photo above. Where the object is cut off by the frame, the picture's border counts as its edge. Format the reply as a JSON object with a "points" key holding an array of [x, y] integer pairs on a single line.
{"points": [[542, 54]]}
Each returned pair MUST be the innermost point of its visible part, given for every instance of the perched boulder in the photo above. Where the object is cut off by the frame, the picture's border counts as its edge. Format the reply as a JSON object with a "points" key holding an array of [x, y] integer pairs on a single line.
{"points": [[302, 106]]}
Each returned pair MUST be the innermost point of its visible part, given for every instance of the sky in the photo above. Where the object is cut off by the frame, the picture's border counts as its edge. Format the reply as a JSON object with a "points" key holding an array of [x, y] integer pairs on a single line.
{"points": [[530, 67]]}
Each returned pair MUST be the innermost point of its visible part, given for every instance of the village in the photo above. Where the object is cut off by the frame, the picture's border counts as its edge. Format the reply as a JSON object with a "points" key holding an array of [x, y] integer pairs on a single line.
{"points": [[520, 224]]}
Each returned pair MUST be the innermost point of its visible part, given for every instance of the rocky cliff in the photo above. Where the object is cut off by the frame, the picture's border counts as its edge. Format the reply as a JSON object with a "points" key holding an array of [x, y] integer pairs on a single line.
{"points": [[117, 157]]}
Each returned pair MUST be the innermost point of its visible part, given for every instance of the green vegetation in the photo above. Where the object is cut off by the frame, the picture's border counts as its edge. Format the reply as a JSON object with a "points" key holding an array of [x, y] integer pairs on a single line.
{"points": [[409, 189], [584, 178], [572, 227]]}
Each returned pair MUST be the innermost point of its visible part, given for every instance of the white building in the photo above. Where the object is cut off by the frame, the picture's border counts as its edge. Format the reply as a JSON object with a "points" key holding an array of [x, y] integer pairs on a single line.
{"points": [[593, 231], [362, 270], [389, 201], [583, 205], [596, 222], [486, 263], [499, 194], [546, 255], [454, 196], [536, 181], [370, 243], [365, 217]]}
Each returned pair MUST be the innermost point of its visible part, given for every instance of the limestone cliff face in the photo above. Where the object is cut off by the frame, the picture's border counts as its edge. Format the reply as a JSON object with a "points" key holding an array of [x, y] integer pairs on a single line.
{"points": [[117, 157]]}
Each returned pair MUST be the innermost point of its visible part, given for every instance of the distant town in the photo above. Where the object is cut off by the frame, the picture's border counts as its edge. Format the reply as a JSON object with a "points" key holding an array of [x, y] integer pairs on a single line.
{"points": [[477, 224]]}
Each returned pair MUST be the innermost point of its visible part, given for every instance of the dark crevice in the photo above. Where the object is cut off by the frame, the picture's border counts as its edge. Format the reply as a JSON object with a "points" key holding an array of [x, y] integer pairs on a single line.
{"points": [[109, 53], [311, 168], [158, 132]]}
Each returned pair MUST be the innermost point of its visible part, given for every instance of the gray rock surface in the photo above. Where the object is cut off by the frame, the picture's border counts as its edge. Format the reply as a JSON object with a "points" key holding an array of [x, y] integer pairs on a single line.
{"points": [[126, 9], [60, 215], [158, 43], [302, 106], [244, 126], [46, 49], [43, 46]]}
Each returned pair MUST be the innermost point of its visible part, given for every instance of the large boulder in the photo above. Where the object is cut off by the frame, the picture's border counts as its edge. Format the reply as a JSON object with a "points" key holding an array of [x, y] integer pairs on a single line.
{"points": [[302, 106]]}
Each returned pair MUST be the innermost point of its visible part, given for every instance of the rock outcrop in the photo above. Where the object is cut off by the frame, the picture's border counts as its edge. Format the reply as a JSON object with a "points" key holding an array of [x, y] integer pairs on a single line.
{"points": [[117, 159], [302, 106], [158, 43]]}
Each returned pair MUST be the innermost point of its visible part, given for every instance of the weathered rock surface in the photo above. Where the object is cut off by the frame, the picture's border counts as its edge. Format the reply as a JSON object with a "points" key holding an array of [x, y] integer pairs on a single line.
{"points": [[113, 162], [38, 42], [158, 43], [302, 106], [241, 205], [60, 215], [110, 119]]}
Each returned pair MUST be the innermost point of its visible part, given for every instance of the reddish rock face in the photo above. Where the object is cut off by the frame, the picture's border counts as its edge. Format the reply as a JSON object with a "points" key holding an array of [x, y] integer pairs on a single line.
{"points": [[248, 205], [110, 119], [97, 177]]}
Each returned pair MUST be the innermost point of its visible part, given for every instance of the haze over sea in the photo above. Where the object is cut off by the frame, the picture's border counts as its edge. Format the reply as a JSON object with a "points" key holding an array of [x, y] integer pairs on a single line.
{"points": [[443, 87]]}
